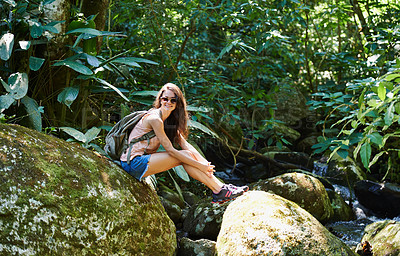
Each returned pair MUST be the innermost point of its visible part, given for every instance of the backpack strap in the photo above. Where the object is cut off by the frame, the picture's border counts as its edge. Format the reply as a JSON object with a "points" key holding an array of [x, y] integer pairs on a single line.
{"points": [[146, 136]]}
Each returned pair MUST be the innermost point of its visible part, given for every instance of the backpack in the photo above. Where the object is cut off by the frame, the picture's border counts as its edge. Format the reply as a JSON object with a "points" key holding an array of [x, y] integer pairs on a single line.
{"points": [[117, 138]]}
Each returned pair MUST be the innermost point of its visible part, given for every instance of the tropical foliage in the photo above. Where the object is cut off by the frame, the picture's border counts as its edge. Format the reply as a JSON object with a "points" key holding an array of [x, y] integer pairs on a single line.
{"points": [[228, 56]]}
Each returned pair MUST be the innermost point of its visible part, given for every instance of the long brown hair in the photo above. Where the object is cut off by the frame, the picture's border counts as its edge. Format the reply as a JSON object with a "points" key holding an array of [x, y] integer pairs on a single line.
{"points": [[177, 121]]}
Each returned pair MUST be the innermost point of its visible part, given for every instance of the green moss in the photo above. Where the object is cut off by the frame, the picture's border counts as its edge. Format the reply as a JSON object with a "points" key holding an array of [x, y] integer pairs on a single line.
{"points": [[60, 197]]}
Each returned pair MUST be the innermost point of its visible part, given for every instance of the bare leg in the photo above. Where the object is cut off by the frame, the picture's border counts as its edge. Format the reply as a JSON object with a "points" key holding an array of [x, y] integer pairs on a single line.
{"points": [[162, 161]]}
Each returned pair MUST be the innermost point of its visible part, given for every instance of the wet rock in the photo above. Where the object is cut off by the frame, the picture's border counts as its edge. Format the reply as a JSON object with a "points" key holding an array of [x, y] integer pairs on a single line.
{"points": [[201, 247], [297, 158], [173, 210], [382, 198], [341, 210], [384, 237], [260, 223], [58, 198], [204, 220], [256, 172], [305, 190], [344, 172], [171, 196], [190, 197]]}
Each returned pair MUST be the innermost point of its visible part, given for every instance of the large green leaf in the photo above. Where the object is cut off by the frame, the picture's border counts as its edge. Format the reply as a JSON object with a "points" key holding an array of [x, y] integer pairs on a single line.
{"points": [[201, 127], [78, 67], [92, 32], [92, 60], [79, 136], [197, 109], [6, 46], [181, 172], [36, 29], [111, 86], [5, 102], [343, 153], [48, 2], [50, 28], [5, 85], [91, 134], [389, 114], [392, 77], [225, 50], [365, 154], [376, 157], [145, 93], [382, 92], [35, 63], [143, 60], [127, 61], [375, 138], [18, 84], [68, 95], [34, 113]]}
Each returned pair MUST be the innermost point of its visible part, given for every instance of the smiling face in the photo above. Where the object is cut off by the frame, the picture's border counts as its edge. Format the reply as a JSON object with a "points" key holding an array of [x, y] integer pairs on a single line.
{"points": [[168, 100]]}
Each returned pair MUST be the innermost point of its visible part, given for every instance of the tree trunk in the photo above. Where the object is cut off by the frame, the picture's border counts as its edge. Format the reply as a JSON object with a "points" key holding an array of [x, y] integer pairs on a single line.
{"points": [[364, 25], [52, 80], [99, 7]]}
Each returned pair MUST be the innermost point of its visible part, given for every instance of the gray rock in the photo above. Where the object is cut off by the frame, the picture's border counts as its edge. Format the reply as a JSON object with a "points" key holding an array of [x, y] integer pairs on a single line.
{"points": [[384, 236], [305, 190], [173, 210], [190, 197], [341, 210], [58, 198], [382, 198], [260, 223], [204, 220], [201, 247], [171, 195], [343, 171]]}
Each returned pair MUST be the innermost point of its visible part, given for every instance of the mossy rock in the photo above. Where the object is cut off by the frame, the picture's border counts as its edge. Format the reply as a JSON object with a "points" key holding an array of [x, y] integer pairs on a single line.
{"points": [[58, 198], [261, 223], [384, 236], [305, 190]]}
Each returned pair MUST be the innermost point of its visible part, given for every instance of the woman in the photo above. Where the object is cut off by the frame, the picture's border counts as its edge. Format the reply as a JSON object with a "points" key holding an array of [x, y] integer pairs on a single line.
{"points": [[169, 119]]}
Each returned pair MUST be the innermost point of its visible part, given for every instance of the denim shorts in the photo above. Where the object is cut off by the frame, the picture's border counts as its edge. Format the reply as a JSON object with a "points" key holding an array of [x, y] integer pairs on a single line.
{"points": [[137, 167]]}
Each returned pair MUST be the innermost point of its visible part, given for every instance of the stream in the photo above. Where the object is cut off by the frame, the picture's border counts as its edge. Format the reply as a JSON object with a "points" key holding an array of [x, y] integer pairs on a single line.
{"points": [[350, 232]]}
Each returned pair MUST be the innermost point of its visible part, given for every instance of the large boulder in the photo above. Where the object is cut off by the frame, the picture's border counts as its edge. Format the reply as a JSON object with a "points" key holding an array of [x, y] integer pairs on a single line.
{"points": [[305, 190], [341, 171], [384, 237], [261, 223], [204, 220], [381, 198], [58, 198]]}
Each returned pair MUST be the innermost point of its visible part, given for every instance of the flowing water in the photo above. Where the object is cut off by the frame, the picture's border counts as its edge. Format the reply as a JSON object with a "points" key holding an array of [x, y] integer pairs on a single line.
{"points": [[350, 232]]}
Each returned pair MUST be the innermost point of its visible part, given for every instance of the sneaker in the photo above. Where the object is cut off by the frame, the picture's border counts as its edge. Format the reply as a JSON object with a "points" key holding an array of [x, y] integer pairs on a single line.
{"points": [[228, 192], [244, 188]]}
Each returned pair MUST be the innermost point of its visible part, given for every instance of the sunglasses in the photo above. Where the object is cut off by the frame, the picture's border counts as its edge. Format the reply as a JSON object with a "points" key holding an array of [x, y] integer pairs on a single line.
{"points": [[172, 100]]}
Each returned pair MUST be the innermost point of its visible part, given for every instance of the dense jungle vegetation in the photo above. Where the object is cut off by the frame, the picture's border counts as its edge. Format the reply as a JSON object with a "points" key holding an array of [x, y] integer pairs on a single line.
{"points": [[76, 72]]}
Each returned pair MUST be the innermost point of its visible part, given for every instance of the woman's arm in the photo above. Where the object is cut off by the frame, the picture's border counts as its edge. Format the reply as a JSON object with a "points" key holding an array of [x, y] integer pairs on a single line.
{"points": [[158, 126], [187, 146]]}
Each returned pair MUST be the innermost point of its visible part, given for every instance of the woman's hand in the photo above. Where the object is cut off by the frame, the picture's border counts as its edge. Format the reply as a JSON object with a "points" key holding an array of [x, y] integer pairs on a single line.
{"points": [[208, 169]]}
